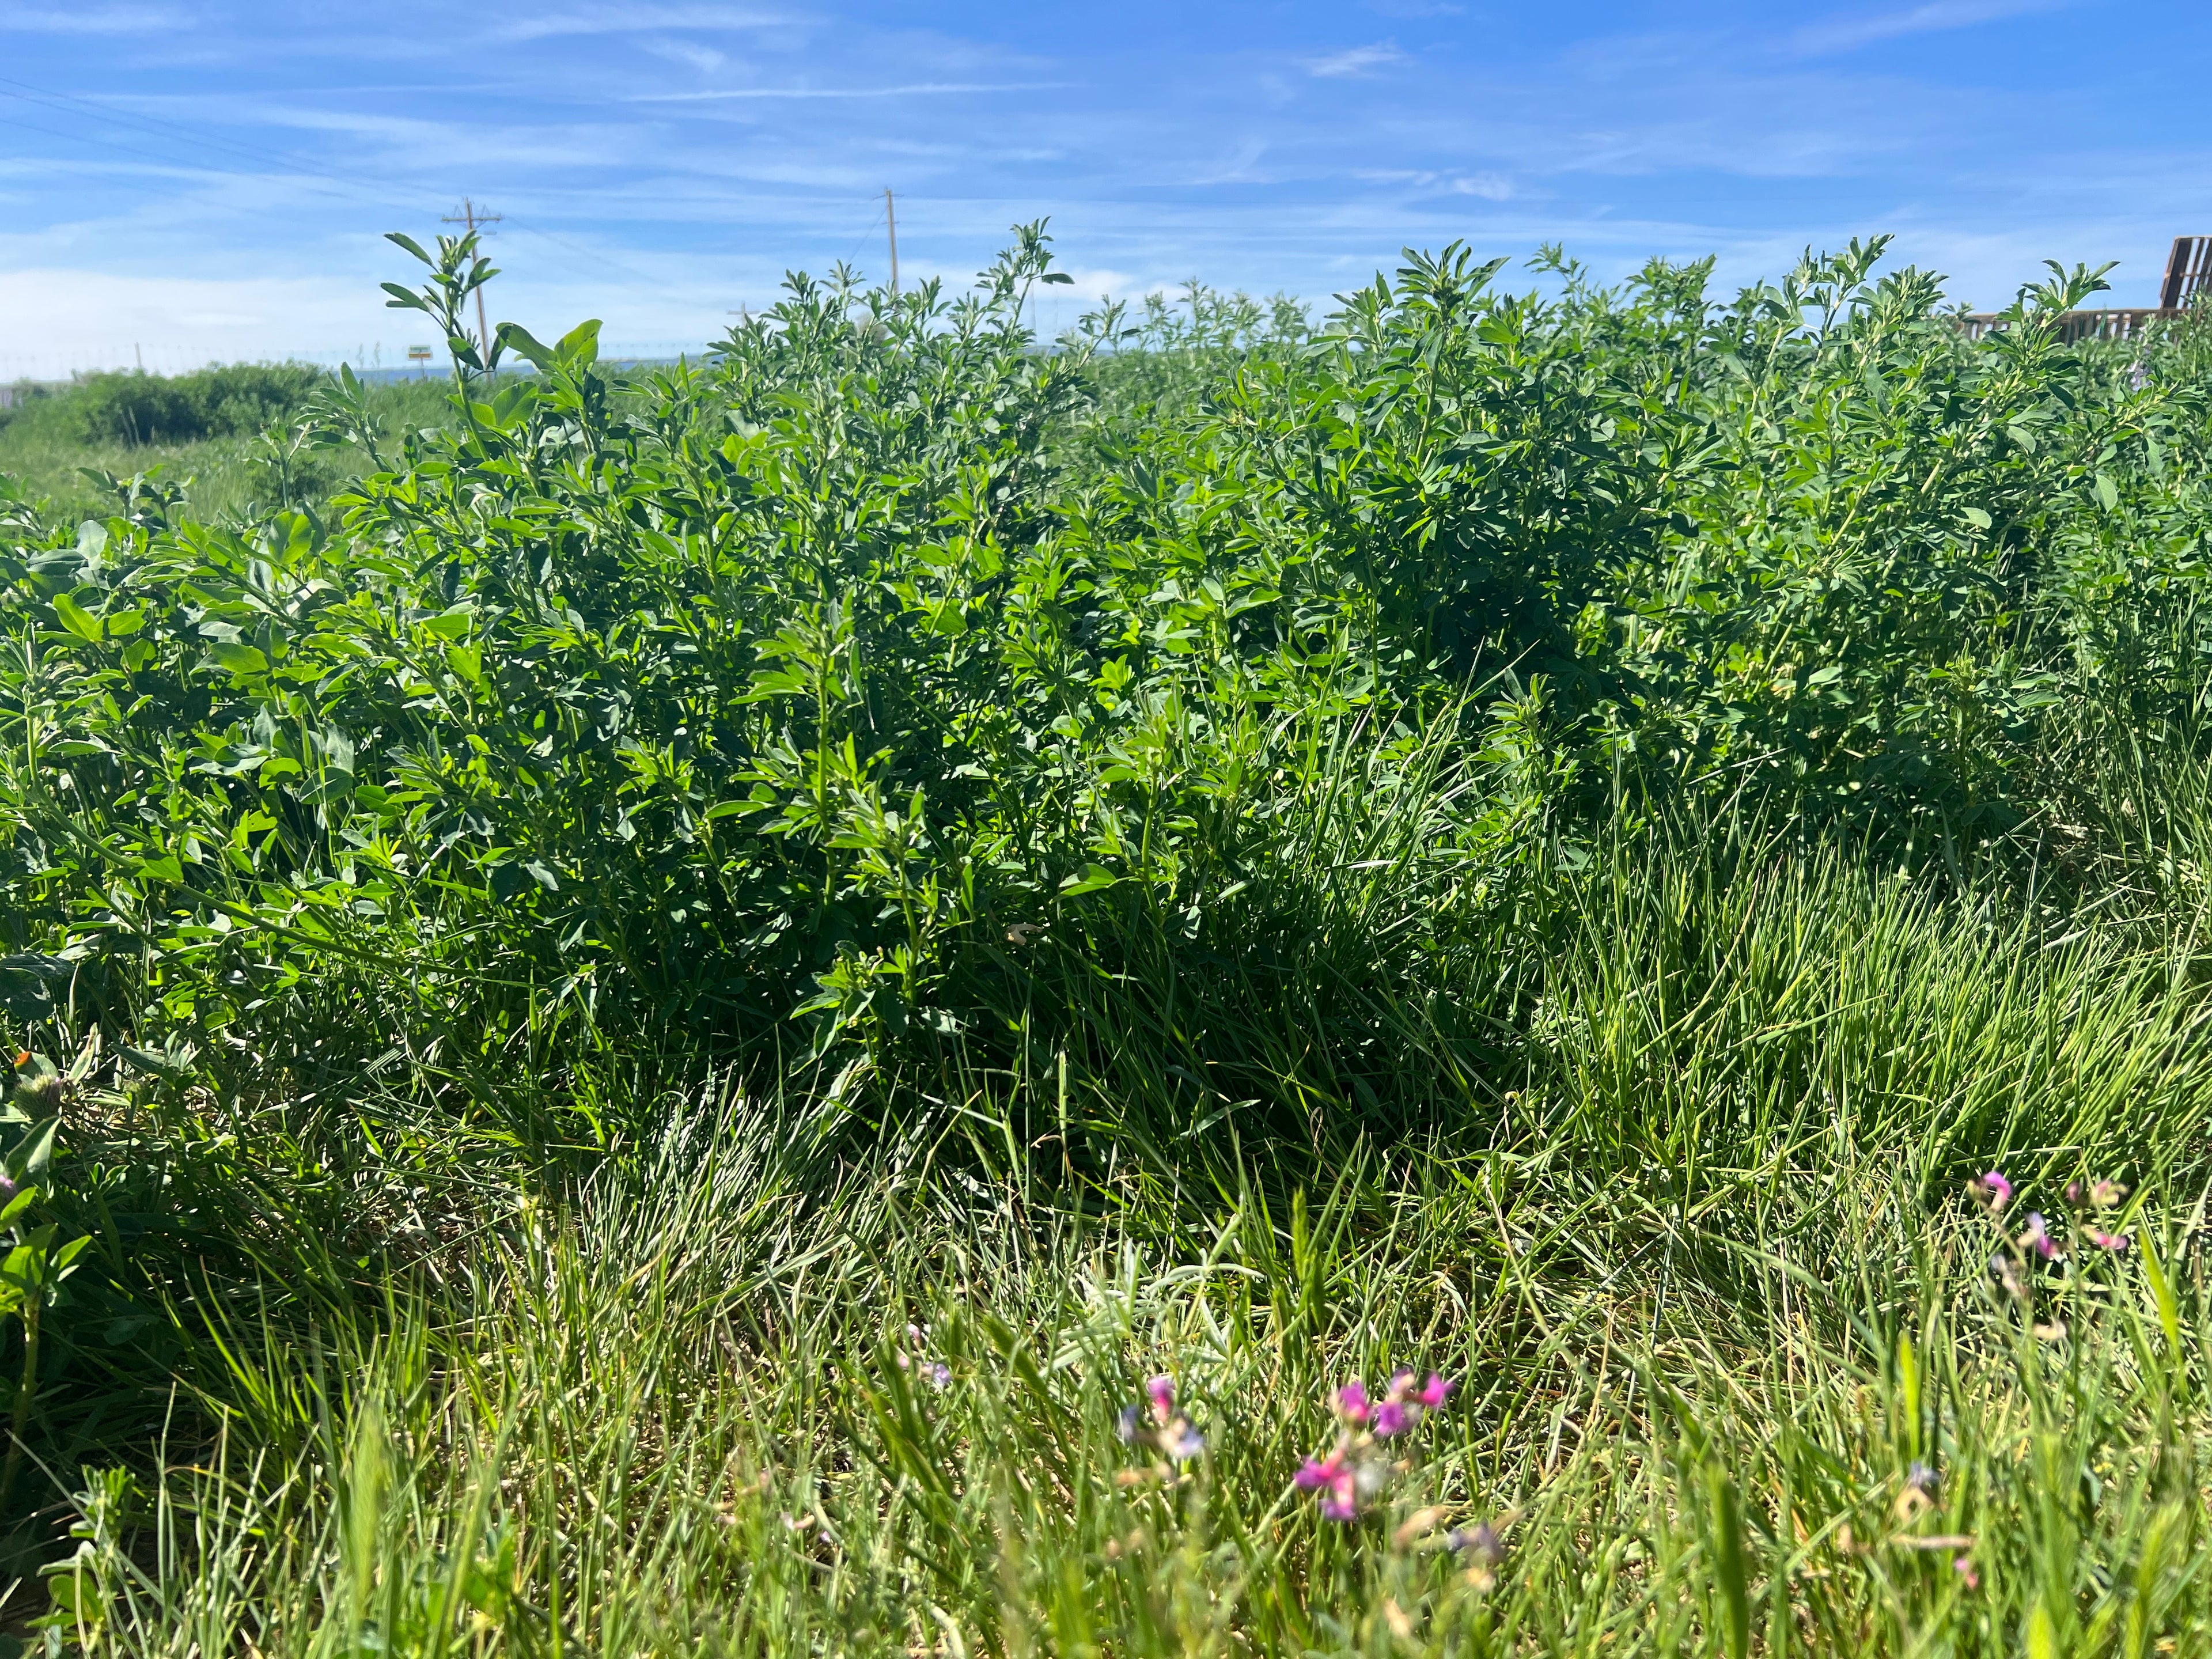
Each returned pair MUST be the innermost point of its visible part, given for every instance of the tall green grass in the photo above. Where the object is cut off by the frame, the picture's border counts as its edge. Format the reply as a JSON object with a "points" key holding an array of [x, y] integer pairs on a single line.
{"points": [[1710, 1279]]}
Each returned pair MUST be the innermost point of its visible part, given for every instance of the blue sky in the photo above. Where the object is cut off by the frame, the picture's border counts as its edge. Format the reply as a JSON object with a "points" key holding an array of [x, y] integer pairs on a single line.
{"points": [[183, 181]]}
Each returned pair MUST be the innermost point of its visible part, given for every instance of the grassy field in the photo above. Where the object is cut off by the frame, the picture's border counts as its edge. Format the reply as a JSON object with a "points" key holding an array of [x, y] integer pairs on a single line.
{"points": [[1492, 975], [234, 462]]}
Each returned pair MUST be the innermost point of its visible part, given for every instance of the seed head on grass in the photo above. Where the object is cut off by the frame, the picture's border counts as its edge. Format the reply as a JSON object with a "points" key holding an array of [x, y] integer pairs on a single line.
{"points": [[2007, 1273]]}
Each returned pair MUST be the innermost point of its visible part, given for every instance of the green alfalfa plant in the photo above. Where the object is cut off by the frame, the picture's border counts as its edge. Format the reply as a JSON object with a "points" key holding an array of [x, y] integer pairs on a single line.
{"points": [[39, 1259], [457, 270]]}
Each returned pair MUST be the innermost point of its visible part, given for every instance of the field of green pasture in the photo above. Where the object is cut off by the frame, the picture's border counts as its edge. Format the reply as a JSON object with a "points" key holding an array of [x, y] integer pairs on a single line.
{"points": [[228, 435], [1502, 973]]}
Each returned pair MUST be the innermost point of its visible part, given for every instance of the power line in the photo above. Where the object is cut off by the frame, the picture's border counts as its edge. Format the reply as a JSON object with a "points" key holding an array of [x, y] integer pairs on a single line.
{"points": [[391, 193], [67, 104]]}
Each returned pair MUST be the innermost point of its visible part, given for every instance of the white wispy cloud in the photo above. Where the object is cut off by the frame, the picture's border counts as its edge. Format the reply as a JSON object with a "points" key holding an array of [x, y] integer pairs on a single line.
{"points": [[912, 90], [1358, 61], [705, 59], [93, 20], [1845, 31], [635, 20]]}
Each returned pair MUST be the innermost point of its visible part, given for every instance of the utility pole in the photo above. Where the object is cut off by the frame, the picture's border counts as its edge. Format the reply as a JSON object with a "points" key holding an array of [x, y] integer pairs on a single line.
{"points": [[891, 219], [470, 217]]}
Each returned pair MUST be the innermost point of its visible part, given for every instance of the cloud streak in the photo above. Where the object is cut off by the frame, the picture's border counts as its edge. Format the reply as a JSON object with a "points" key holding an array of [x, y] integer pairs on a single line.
{"points": [[1845, 33], [660, 161], [93, 20], [914, 89], [635, 20], [1356, 62]]}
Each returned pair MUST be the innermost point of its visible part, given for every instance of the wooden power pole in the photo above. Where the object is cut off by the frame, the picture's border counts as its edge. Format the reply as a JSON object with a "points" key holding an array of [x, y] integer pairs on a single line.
{"points": [[890, 219], [470, 217]]}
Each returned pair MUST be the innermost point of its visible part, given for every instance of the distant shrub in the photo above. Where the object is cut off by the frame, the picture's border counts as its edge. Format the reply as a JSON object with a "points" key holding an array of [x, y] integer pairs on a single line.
{"points": [[16, 398], [209, 403]]}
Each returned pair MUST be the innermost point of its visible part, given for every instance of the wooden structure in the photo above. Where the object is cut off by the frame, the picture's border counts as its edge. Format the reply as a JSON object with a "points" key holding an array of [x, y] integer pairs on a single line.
{"points": [[2188, 272], [2188, 276]]}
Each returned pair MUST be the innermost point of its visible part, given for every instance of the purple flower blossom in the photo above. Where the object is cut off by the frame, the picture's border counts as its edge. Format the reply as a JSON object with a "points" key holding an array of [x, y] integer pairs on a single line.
{"points": [[1435, 1392], [2036, 1237], [2105, 1241], [1992, 1190], [1126, 1427], [1394, 1417], [1351, 1403], [1181, 1442], [1922, 1479], [940, 1375]]}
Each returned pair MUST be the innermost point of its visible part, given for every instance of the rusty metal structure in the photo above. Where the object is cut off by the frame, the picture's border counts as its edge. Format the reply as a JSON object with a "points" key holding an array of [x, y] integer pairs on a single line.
{"points": [[2188, 275]]}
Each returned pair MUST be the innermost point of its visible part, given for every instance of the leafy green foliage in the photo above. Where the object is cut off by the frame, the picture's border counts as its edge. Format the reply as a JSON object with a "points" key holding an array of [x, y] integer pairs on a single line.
{"points": [[1545, 836], [807, 684], [220, 401]]}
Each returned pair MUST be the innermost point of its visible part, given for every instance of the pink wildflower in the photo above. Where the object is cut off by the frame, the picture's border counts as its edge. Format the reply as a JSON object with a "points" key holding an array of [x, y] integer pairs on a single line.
{"points": [[1351, 1403], [1435, 1392], [1162, 1390], [2105, 1241], [1992, 1190], [1394, 1417], [2036, 1238], [1335, 1478], [1964, 1566]]}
